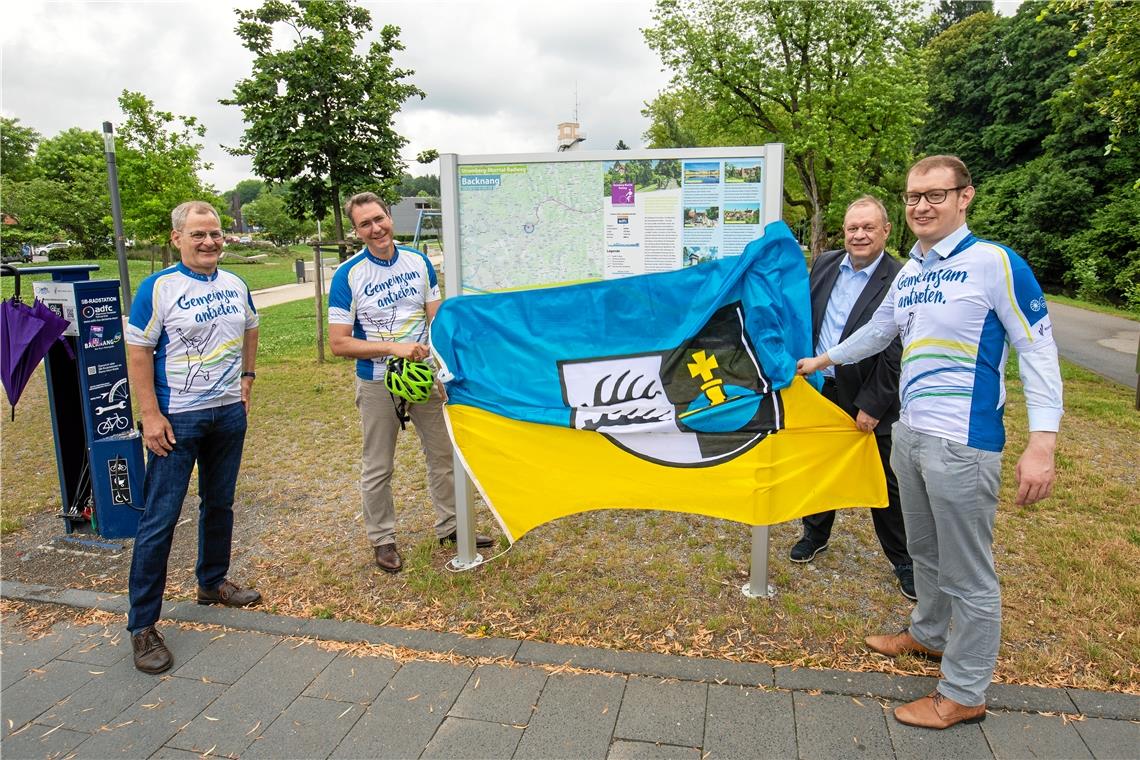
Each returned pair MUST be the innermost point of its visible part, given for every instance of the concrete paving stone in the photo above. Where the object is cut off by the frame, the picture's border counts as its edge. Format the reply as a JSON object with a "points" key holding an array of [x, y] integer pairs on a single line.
{"points": [[1004, 696], [627, 750], [1110, 738], [465, 739], [229, 655], [308, 728], [37, 741], [242, 619], [188, 611], [170, 753], [818, 721], [92, 600], [904, 688], [254, 701], [645, 663], [668, 712], [1099, 704], [10, 589], [343, 630], [100, 701], [742, 721], [100, 645], [146, 726], [575, 717], [184, 643], [1020, 735], [29, 654], [501, 694], [40, 690], [407, 713], [448, 643], [353, 678], [911, 743]]}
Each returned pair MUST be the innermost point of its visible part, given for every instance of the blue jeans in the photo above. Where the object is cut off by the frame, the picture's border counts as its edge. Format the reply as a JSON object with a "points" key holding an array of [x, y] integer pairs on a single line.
{"points": [[213, 438]]}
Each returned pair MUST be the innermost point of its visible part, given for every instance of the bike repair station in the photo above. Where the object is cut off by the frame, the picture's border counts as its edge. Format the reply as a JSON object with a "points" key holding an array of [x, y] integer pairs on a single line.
{"points": [[98, 450]]}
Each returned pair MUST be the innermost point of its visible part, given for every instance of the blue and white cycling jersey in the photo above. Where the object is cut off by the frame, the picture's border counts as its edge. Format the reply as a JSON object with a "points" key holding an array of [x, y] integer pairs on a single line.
{"points": [[196, 324], [383, 301], [958, 309]]}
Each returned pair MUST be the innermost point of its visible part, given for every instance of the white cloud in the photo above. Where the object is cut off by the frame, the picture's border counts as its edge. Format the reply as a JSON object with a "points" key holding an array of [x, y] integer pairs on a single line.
{"points": [[499, 76]]}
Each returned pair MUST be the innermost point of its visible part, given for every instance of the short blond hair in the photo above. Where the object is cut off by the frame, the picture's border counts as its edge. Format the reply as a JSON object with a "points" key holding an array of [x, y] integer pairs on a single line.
{"points": [[953, 163]]}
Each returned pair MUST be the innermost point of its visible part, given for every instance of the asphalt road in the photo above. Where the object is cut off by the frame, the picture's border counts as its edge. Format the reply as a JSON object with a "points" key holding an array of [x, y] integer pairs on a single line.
{"points": [[1102, 343]]}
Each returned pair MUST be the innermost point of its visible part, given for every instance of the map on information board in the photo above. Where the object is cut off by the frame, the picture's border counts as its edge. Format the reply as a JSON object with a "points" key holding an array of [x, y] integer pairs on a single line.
{"points": [[540, 223], [521, 224]]}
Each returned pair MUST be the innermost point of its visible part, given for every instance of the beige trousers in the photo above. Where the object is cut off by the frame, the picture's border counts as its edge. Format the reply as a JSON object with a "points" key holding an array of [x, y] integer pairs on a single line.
{"points": [[380, 426]]}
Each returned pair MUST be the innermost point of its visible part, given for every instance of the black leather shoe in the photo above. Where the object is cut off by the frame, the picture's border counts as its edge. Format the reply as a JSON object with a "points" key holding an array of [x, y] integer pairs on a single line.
{"points": [[388, 559], [151, 654], [905, 574], [229, 594], [481, 542], [806, 549]]}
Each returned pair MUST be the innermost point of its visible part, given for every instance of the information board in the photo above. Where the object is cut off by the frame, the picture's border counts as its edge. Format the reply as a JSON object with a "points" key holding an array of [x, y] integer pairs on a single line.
{"points": [[537, 220]]}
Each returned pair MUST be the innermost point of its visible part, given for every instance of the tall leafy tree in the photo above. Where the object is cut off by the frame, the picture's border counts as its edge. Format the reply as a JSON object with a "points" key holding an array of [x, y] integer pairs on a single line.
{"points": [[950, 12], [1112, 44], [268, 212], [836, 82], [70, 193], [318, 114], [17, 149], [159, 157]]}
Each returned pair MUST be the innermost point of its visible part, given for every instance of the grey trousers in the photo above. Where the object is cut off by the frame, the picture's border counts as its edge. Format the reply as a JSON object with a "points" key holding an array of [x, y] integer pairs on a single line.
{"points": [[380, 426], [949, 495]]}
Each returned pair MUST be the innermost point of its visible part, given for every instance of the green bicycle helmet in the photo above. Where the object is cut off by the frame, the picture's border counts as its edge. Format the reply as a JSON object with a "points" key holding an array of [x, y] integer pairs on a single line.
{"points": [[409, 380]]}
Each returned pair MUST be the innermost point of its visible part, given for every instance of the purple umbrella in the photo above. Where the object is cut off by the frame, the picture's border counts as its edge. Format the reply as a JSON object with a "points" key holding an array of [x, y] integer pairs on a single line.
{"points": [[28, 333]]}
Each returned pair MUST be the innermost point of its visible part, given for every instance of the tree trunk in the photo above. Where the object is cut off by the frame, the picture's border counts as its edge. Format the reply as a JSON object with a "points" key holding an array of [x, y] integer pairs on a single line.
{"points": [[338, 223]]}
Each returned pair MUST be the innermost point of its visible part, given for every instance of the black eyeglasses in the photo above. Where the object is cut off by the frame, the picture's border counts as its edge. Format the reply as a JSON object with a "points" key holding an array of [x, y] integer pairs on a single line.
{"points": [[933, 197], [199, 236]]}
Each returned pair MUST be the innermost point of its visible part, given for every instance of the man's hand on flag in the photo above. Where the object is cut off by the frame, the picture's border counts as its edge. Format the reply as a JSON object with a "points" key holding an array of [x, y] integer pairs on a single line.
{"points": [[813, 364]]}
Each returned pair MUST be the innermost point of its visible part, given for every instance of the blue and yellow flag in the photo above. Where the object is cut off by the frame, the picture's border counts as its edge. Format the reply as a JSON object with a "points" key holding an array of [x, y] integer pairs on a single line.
{"points": [[672, 391]]}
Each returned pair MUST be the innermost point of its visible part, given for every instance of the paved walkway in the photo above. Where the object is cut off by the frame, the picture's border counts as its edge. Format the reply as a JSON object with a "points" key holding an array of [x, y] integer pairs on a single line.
{"points": [[273, 686]]}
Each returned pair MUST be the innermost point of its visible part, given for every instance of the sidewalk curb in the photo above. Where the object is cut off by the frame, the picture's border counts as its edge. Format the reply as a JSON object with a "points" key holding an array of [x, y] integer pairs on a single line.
{"points": [[1091, 704]]}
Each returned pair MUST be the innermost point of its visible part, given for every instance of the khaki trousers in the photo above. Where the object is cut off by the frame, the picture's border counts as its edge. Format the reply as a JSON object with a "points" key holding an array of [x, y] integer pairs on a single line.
{"points": [[380, 427]]}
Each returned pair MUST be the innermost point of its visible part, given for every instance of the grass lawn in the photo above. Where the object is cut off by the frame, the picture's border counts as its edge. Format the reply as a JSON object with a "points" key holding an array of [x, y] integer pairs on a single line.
{"points": [[642, 581], [275, 270]]}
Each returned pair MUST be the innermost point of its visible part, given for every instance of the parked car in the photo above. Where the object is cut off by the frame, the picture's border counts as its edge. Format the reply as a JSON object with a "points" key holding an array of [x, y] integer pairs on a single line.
{"points": [[45, 250], [245, 239]]}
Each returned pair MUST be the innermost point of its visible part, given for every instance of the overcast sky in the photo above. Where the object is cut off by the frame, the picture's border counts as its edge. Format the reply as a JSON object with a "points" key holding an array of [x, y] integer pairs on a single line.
{"points": [[499, 75]]}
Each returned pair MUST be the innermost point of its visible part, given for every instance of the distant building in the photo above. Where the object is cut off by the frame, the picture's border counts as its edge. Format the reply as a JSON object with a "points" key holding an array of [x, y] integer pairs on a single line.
{"points": [[569, 138], [405, 214]]}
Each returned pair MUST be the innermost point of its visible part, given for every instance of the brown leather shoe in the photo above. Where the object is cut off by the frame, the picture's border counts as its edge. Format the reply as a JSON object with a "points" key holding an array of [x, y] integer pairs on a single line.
{"points": [[229, 594], [481, 542], [388, 559], [937, 711], [892, 645], [151, 654]]}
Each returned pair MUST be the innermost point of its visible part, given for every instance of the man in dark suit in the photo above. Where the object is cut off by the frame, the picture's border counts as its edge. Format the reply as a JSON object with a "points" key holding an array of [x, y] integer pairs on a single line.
{"points": [[846, 288]]}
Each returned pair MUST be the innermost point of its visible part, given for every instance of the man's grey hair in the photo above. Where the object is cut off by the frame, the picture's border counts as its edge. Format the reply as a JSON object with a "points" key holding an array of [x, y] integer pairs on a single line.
{"points": [[870, 200], [183, 211], [363, 199]]}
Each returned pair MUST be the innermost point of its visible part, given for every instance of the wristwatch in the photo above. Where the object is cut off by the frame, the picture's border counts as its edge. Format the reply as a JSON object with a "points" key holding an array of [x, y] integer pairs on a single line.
{"points": [[249, 374]]}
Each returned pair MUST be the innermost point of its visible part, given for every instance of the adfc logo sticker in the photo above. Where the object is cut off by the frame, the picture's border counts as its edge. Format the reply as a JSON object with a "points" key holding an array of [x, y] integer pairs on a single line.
{"points": [[700, 404]]}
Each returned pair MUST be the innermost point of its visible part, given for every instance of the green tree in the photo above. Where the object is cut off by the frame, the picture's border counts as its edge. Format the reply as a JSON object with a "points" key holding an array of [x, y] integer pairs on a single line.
{"points": [[70, 192], [836, 82], [268, 212], [159, 158], [950, 12], [1112, 44], [317, 114], [17, 149], [247, 190]]}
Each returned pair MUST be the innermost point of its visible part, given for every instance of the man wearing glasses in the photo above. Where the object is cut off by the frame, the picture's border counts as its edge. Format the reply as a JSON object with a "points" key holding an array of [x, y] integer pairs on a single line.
{"points": [[191, 351], [957, 304], [381, 302], [846, 287]]}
